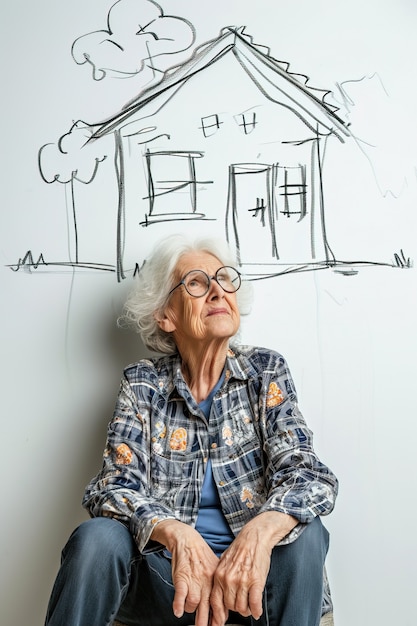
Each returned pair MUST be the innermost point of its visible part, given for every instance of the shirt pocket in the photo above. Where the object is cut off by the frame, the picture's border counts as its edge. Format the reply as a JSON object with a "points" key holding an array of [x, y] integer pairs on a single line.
{"points": [[241, 445], [237, 427], [167, 472], [172, 461]]}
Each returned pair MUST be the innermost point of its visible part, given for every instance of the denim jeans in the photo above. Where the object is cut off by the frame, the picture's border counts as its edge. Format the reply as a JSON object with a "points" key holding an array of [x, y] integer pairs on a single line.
{"points": [[103, 577]]}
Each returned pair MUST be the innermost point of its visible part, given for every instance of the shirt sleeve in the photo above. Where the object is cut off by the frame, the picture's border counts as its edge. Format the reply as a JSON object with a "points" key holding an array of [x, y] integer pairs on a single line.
{"points": [[298, 483], [121, 489]]}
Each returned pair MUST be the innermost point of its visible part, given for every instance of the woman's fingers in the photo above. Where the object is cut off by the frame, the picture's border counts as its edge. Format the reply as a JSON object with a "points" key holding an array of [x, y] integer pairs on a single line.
{"points": [[240, 578], [180, 598]]}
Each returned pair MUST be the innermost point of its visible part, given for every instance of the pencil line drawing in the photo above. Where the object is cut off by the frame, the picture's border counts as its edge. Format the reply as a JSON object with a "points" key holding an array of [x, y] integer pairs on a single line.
{"points": [[229, 136], [73, 159], [139, 37], [157, 186]]}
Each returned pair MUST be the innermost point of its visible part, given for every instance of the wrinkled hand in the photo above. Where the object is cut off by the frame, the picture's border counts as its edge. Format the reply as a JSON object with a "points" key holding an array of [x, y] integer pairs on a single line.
{"points": [[193, 568], [240, 577], [211, 586]]}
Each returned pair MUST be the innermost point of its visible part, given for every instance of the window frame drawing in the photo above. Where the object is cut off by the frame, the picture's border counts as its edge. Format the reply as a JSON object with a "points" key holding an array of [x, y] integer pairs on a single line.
{"points": [[246, 125], [173, 186], [293, 190], [215, 125]]}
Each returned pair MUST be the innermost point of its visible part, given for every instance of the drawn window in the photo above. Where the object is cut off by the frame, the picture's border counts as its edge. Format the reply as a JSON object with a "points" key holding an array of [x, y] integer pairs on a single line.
{"points": [[210, 125], [246, 121], [172, 183], [292, 191]]}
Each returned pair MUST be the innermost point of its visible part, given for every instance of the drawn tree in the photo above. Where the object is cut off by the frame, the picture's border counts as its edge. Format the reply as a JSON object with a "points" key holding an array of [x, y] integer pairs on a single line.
{"points": [[74, 158]]}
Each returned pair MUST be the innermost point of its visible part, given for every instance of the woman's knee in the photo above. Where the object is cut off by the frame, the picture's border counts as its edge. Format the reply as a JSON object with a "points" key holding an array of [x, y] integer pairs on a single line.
{"points": [[98, 538], [310, 548], [315, 538]]}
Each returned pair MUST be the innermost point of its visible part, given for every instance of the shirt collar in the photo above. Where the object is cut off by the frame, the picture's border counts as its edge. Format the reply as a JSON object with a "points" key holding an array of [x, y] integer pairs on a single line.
{"points": [[171, 380]]}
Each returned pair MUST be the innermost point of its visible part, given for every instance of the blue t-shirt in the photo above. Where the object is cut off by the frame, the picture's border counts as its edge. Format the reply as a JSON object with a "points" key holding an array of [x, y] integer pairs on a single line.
{"points": [[211, 522]]}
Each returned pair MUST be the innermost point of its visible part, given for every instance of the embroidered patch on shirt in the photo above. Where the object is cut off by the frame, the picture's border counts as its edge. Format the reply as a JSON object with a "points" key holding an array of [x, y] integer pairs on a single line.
{"points": [[160, 431], [227, 435], [275, 396], [247, 498], [178, 439], [124, 455]]}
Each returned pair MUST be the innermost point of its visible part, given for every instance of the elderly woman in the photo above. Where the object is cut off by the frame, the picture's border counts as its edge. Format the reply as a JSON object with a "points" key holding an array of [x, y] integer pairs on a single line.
{"points": [[207, 508]]}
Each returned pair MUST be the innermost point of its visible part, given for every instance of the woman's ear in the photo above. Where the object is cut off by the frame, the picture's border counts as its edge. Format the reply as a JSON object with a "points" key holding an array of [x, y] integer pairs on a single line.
{"points": [[165, 322]]}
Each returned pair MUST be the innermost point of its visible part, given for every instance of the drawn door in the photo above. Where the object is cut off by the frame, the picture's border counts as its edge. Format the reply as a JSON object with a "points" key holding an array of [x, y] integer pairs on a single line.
{"points": [[251, 214], [267, 218]]}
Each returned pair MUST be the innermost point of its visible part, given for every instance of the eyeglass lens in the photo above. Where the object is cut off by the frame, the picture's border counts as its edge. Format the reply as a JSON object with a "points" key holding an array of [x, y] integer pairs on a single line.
{"points": [[197, 283]]}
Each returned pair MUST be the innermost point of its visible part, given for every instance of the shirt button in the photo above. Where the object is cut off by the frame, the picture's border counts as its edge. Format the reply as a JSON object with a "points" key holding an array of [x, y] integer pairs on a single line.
{"points": [[214, 445], [221, 483]]}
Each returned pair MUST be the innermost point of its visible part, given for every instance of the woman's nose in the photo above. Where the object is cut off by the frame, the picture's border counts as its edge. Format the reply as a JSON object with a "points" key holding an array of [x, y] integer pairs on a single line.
{"points": [[215, 290]]}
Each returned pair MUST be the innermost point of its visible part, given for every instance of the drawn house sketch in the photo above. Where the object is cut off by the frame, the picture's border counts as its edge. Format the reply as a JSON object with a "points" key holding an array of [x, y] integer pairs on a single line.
{"points": [[229, 141], [247, 151]]}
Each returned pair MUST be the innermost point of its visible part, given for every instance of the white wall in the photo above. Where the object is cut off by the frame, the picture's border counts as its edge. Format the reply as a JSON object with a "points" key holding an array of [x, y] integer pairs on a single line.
{"points": [[350, 340]]}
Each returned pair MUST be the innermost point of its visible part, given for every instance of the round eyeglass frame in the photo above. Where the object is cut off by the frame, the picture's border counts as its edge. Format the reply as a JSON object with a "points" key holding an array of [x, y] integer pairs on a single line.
{"points": [[209, 279]]}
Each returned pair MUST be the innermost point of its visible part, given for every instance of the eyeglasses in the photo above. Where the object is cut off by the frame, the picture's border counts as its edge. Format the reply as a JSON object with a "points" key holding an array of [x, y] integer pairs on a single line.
{"points": [[197, 282]]}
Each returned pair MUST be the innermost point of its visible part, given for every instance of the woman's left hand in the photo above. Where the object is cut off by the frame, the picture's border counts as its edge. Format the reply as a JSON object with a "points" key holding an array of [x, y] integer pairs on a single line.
{"points": [[193, 566], [240, 577]]}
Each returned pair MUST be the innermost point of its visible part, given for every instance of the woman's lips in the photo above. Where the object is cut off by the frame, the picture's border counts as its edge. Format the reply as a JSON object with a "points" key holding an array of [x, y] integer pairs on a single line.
{"points": [[218, 312]]}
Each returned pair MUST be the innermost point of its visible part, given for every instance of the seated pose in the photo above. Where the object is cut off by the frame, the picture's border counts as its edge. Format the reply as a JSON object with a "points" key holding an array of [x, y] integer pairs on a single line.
{"points": [[207, 507]]}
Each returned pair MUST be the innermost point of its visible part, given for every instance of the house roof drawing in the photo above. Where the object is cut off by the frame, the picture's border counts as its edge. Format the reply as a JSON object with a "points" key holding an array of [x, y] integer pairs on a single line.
{"points": [[272, 77]]}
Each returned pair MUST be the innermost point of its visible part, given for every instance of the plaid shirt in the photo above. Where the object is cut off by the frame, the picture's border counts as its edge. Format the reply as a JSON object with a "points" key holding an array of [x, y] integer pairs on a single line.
{"points": [[159, 442]]}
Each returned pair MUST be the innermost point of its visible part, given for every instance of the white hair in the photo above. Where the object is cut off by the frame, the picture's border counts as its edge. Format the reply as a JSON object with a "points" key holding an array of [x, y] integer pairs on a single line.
{"points": [[149, 296]]}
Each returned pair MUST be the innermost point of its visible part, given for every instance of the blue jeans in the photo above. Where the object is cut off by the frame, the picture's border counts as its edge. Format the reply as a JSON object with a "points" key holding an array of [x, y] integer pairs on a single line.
{"points": [[103, 577]]}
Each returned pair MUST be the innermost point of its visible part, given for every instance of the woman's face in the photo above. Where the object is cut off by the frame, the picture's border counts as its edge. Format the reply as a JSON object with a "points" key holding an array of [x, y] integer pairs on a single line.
{"points": [[214, 316]]}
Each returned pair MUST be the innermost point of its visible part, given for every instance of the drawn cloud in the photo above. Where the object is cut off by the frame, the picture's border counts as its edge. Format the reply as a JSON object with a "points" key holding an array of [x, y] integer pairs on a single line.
{"points": [[73, 157], [137, 33]]}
